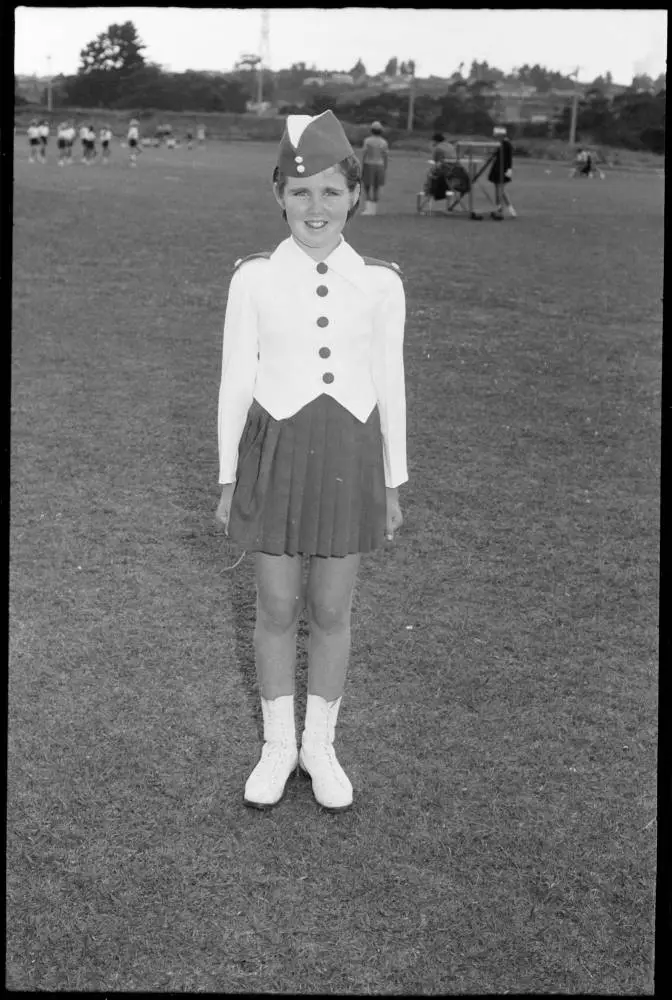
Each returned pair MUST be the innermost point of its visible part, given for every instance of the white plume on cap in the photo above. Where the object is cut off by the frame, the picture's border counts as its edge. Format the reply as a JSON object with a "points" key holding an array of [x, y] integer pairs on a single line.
{"points": [[297, 125]]}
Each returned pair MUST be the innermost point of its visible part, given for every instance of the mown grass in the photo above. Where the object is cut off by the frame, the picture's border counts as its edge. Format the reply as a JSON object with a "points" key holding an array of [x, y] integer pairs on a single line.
{"points": [[499, 720]]}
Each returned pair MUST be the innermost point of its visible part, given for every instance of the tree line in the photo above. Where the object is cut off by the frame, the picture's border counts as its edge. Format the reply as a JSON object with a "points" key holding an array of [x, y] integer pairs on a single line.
{"points": [[632, 120], [114, 73]]}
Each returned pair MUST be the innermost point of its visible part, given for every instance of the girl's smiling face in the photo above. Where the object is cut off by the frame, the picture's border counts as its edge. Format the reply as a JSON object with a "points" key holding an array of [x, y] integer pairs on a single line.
{"points": [[317, 209]]}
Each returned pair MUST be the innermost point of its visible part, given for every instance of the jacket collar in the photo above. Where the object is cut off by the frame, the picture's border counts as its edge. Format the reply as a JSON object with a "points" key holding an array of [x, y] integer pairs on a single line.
{"points": [[345, 261]]}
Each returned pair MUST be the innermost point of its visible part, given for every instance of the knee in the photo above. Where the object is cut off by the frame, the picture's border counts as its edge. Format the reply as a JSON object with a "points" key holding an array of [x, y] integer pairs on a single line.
{"points": [[278, 614], [328, 617]]}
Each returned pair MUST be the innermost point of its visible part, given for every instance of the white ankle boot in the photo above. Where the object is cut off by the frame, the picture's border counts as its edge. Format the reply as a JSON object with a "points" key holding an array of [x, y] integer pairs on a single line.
{"points": [[367, 208], [266, 785], [331, 786], [374, 208]]}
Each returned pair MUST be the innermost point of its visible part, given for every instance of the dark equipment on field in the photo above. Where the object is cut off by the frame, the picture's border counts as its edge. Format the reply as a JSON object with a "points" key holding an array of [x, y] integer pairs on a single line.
{"points": [[454, 181]]}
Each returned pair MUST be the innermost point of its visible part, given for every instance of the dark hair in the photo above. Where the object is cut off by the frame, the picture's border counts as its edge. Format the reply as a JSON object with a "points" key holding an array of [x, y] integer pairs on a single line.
{"points": [[438, 137], [351, 169]]}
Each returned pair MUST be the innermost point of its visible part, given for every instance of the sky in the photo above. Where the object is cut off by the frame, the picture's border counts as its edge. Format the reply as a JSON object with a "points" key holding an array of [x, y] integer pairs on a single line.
{"points": [[623, 42]]}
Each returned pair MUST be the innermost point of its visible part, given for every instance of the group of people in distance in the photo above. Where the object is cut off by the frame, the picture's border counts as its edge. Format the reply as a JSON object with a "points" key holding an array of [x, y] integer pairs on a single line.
{"points": [[66, 134], [38, 137], [447, 178]]}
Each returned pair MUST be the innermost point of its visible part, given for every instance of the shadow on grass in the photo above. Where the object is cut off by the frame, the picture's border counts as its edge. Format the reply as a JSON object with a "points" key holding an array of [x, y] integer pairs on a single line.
{"points": [[197, 494]]}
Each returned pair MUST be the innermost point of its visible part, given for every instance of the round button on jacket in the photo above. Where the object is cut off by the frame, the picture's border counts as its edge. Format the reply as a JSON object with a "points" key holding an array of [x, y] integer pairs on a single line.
{"points": [[322, 321], [322, 290], [322, 268], [324, 352], [328, 378]]}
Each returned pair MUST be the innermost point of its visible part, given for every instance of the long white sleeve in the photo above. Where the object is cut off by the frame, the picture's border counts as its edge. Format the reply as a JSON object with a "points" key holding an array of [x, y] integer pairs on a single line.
{"points": [[240, 357], [388, 376]]}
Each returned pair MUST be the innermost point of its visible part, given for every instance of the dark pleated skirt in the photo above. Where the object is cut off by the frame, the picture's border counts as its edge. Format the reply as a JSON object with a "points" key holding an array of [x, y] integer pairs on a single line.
{"points": [[373, 175], [312, 484]]}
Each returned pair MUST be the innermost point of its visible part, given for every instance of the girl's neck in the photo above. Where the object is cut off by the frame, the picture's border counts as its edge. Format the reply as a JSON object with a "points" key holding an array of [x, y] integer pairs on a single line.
{"points": [[317, 253]]}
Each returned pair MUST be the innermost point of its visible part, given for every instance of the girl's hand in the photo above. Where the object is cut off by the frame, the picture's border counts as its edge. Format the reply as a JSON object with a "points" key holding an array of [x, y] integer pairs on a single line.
{"points": [[394, 519], [224, 509]]}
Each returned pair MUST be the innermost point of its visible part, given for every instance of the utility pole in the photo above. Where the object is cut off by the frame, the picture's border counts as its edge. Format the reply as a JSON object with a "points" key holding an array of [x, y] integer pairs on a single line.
{"points": [[411, 100], [49, 90], [264, 58], [575, 107]]}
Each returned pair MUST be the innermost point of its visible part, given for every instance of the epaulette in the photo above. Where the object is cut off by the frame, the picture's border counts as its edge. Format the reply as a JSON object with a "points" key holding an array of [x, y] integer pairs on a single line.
{"points": [[384, 263], [253, 256]]}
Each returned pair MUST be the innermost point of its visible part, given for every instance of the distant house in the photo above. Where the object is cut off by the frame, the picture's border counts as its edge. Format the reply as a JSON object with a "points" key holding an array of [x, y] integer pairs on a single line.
{"points": [[313, 81], [258, 107], [564, 92], [514, 90], [341, 78]]}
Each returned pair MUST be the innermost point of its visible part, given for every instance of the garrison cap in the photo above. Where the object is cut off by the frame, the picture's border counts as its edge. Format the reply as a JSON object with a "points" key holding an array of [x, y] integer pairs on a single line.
{"points": [[311, 144]]}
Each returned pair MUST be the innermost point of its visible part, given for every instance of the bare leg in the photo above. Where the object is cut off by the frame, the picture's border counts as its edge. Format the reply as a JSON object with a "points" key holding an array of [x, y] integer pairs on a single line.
{"points": [[507, 201], [279, 604], [331, 585]]}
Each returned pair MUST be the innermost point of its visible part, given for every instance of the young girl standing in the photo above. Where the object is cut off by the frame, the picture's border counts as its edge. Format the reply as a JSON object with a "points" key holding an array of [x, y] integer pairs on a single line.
{"points": [[312, 443]]}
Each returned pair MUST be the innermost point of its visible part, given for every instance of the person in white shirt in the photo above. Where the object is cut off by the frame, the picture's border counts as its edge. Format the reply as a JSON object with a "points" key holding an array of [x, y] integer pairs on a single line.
{"points": [[312, 442], [33, 141], [70, 134], [83, 133], [89, 144], [133, 139], [44, 139], [583, 164], [105, 139], [62, 142], [200, 135]]}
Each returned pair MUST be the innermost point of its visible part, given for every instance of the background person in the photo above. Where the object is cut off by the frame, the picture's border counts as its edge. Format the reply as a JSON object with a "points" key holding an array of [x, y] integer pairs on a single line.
{"points": [[44, 140], [105, 140], [33, 132], [442, 150], [501, 174], [312, 443], [70, 134], [62, 142], [374, 167], [89, 145], [83, 139], [133, 139]]}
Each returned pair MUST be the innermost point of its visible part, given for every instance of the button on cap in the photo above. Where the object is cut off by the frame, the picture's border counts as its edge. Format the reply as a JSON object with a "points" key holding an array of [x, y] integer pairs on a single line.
{"points": [[322, 290], [328, 378], [322, 268], [324, 352], [322, 321]]}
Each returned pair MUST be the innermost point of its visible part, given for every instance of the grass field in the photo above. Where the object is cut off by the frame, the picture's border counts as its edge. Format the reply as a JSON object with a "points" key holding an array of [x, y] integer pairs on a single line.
{"points": [[499, 721]]}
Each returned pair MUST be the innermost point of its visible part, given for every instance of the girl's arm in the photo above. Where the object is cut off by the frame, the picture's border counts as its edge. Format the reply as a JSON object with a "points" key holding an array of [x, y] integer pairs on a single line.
{"points": [[388, 374], [239, 370]]}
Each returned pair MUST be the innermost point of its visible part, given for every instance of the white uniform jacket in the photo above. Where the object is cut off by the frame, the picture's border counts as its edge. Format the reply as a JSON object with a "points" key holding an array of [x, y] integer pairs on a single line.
{"points": [[295, 329]]}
